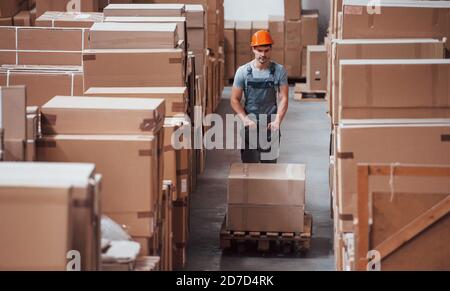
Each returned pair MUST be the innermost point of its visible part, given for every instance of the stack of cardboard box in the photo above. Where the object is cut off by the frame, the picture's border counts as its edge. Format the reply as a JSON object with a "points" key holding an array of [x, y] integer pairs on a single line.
{"points": [[35, 56], [54, 213], [389, 103], [292, 34], [123, 137]]}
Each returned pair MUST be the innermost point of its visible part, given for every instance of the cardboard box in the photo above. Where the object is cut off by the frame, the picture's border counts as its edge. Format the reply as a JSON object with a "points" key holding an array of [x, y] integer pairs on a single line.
{"points": [[405, 141], [77, 229], [292, 9], [304, 61], [23, 18], [259, 25], [428, 19], [310, 29], [46, 251], [196, 39], [316, 68], [13, 122], [134, 68], [69, 19], [257, 183], [176, 98], [102, 115], [195, 15], [66, 6], [42, 46], [277, 31], [9, 8], [378, 49], [394, 89], [110, 35], [179, 21], [128, 164], [293, 62], [293, 34], [6, 21], [42, 85], [265, 218], [176, 161], [278, 56], [173, 10], [180, 222]]}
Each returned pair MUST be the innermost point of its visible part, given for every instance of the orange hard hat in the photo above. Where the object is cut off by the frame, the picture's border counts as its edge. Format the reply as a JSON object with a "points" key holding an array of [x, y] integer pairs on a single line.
{"points": [[261, 37]]}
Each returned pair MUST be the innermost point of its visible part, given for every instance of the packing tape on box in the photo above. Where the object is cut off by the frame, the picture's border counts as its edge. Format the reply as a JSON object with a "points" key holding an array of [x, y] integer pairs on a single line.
{"points": [[345, 156], [182, 172], [146, 153], [148, 125], [346, 217]]}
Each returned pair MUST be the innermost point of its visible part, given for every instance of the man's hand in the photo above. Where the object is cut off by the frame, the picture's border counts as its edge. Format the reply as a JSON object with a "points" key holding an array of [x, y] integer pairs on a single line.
{"points": [[248, 122], [274, 126]]}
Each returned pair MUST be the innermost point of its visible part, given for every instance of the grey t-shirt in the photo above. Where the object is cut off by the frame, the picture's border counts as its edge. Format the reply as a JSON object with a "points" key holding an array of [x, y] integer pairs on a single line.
{"points": [[280, 74]]}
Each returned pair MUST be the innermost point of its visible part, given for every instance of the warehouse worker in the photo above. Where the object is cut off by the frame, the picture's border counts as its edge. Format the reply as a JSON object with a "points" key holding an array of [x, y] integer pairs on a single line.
{"points": [[264, 82]]}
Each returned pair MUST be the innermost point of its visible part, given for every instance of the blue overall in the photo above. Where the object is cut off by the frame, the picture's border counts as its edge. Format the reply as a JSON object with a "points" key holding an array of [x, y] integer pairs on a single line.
{"points": [[260, 105]]}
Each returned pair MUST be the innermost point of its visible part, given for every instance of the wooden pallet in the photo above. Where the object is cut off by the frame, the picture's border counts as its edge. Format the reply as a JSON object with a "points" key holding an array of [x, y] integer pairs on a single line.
{"points": [[291, 241], [304, 94]]}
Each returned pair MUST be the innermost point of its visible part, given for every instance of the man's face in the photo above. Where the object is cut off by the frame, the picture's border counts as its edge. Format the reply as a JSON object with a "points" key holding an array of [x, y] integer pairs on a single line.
{"points": [[262, 53]]}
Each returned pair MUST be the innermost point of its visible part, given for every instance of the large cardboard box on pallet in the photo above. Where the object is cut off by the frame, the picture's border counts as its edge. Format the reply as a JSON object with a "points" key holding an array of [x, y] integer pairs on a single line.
{"points": [[93, 115], [75, 220], [407, 141], [378, 49], [42, 85], [13, 122], [66, 5], [394, 89], [69, 19], [420, 19], [179, 21], [176, 98], [164, 10], [252, 204], [110, 35], [134, 68]]}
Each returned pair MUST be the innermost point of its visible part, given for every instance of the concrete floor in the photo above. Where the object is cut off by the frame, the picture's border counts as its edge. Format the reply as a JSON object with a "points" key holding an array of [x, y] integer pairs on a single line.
{"points": [[306, 133]]}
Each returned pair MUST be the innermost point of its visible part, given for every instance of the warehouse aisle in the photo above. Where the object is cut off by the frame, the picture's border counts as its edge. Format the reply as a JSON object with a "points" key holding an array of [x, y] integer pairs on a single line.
{"points": [[305, 140]]}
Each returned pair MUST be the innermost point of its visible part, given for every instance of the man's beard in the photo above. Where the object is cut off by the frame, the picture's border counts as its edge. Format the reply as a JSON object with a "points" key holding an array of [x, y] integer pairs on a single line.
{"points": [[263, 60]]}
